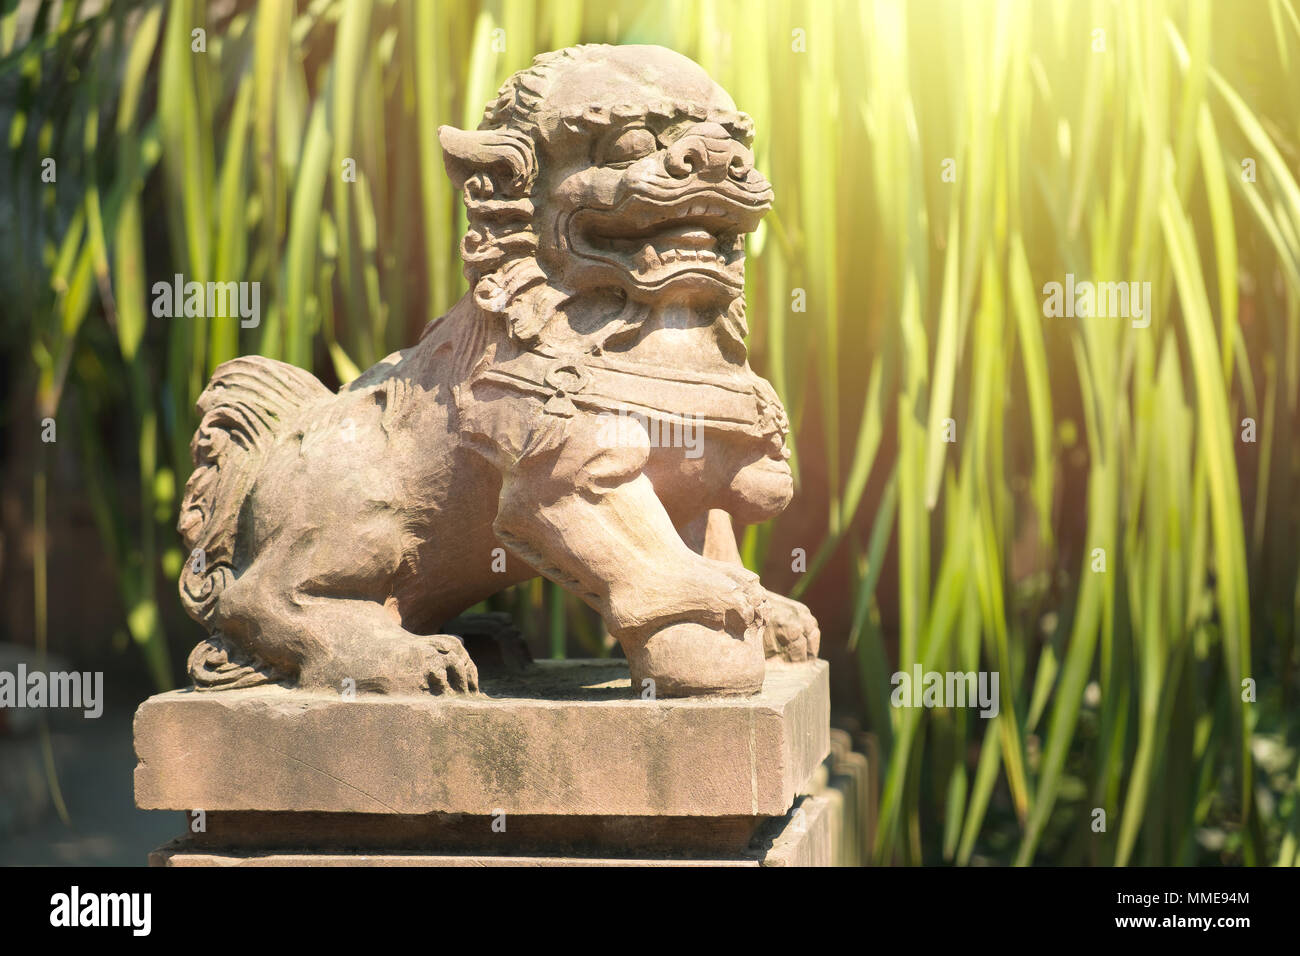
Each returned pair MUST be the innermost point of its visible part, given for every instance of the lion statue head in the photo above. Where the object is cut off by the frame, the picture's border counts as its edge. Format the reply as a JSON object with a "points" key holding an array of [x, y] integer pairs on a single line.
{"points": [[610, 176]]}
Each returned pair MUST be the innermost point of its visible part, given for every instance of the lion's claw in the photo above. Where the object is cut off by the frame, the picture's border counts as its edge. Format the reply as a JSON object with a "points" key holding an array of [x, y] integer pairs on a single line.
{"points": [[446, 666]]}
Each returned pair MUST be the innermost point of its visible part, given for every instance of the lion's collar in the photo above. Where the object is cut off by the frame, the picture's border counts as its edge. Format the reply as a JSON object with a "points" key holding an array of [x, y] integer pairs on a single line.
{"points": [[632, 364], [730, 399]]}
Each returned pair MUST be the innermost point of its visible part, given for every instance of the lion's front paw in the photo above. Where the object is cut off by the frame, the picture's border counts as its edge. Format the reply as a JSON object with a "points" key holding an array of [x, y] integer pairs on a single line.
{"points": [[734, 591], [792, 632]]}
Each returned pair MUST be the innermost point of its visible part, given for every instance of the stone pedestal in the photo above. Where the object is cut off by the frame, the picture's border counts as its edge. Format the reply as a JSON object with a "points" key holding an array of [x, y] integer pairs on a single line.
{"points": [[562, 765]]}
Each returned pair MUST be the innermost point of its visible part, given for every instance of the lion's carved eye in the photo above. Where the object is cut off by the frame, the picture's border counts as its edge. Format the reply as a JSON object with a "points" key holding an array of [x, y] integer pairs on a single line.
{"points": [[627, 147]]}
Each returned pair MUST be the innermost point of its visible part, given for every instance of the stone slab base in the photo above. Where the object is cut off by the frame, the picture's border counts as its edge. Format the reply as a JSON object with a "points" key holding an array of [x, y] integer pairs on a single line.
{"points": [[566, 738]]}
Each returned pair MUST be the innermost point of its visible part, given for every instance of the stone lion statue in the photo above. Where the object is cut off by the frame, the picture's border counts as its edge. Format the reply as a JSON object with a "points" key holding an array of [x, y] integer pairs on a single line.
{"points": [[335, 536]]}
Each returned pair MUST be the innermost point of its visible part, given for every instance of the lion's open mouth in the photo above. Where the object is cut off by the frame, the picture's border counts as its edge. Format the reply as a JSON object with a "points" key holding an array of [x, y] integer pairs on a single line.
{"points": [[657, 242]]}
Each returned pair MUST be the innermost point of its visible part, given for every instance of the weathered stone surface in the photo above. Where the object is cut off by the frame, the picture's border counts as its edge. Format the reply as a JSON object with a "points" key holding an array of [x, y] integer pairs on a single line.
{"points": [[807, 838], [585, 412], [173, 857], [526, 834], [570, 737], [800, 838]]}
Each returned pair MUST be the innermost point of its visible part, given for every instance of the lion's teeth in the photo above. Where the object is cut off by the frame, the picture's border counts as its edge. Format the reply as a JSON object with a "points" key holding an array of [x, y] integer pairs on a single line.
{"points": [[647, 258]]}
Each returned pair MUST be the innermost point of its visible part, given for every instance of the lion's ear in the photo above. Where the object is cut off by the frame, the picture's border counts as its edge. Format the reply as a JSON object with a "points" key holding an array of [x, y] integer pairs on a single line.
{"points": [[504, 160]]}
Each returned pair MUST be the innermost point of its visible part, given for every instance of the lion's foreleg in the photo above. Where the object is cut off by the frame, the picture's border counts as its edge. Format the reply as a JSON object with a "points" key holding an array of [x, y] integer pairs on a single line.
{"points": [[588, 518]]}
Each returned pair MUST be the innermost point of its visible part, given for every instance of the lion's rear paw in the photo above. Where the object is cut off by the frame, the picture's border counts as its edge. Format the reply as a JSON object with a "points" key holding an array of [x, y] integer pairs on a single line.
{"points": [[445, 666], [409, 665]]}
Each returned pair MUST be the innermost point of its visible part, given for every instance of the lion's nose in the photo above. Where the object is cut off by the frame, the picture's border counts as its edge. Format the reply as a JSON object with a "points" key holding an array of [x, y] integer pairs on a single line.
{"points": [[708, 152]]}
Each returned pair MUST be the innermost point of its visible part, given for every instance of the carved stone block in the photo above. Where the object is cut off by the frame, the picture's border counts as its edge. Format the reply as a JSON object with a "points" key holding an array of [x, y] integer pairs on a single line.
{"points": [[585, 412]]}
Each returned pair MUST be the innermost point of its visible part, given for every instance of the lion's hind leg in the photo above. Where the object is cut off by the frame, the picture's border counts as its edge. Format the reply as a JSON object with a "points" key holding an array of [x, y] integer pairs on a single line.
{"points": [[340, 642]]}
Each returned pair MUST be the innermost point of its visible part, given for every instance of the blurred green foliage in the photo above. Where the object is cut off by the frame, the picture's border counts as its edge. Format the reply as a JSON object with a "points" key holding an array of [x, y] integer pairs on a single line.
{"points": [[936, 163]]}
